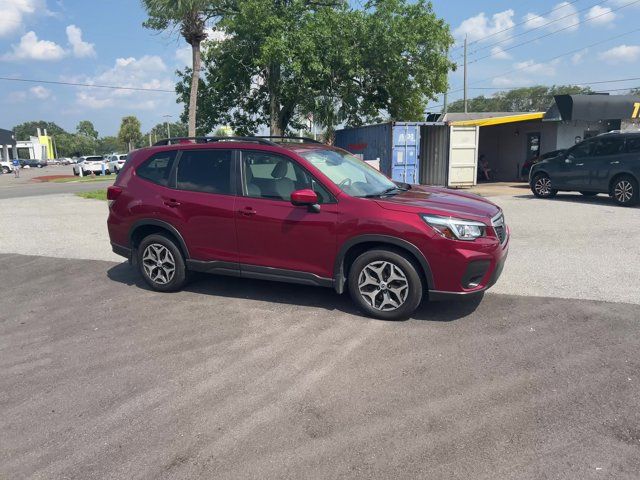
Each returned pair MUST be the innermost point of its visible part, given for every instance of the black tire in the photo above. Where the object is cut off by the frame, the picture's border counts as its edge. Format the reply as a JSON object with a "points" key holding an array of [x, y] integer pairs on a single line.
{"points": [[156, 243], [386, 295], [541, 186], [6, 170], [624, 191], [77, 174], [589, 194]]}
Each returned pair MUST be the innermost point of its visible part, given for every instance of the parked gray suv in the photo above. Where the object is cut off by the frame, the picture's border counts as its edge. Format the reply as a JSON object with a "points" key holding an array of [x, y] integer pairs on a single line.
{"points": [[608, 163]]}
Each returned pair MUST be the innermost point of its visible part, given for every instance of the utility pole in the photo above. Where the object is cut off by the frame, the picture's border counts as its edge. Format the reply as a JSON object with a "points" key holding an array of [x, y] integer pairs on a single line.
{"points": [[167, 117], [444, 110], [465, 74]]}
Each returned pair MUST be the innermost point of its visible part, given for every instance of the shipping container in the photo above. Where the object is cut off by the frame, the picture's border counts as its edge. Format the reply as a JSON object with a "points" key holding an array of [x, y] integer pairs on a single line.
{"points": [[412, 152]]}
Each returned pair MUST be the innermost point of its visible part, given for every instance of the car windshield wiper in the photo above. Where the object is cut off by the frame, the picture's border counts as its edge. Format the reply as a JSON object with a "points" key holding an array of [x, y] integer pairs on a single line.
{"points": [[388, 191]]}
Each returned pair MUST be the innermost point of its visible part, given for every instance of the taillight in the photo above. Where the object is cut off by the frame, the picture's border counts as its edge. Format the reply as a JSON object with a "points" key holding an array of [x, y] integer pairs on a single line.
{"points": [[113, 192]]}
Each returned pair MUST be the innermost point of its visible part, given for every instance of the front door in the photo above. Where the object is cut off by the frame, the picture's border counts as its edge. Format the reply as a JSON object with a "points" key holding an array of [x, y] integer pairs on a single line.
{"points": [[272, 232], [203, 202], [573, 173]]}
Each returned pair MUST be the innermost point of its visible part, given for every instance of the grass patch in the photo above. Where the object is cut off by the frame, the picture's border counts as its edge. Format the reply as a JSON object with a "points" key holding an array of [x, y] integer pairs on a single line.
{"points": [[85, 179], [94, 194]]}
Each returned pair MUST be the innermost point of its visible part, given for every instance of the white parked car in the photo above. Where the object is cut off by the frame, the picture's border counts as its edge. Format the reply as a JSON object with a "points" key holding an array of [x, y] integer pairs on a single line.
{"points": [[6, 167], [116, 162], [91, 164]]}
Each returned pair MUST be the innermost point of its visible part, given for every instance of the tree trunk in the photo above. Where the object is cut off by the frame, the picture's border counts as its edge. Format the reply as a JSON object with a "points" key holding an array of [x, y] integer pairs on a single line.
{"points": [[195, 81], [275, 125]]}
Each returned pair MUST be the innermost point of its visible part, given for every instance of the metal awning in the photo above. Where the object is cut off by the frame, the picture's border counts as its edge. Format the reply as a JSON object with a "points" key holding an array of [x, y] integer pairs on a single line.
{"points": [[592, 108], [498, 120]]}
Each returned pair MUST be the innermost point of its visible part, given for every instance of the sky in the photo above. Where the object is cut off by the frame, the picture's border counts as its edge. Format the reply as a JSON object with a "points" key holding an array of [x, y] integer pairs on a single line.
{"points": [[510, 44]]}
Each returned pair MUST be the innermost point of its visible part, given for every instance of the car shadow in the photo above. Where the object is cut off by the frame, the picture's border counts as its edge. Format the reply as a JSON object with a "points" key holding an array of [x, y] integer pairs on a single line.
{"points": [[292, 294], [601, 199]]}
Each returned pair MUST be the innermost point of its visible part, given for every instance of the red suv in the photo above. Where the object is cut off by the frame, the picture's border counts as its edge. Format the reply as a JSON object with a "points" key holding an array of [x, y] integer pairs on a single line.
{"points": [[299, 211]]}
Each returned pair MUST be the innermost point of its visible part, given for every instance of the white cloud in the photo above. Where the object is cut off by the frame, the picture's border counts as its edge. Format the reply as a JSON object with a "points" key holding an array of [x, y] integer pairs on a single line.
{"points": [[563, 16], [499, 54], [621, 54], [537, 68], [40, 92], [480, 26], [30, 48], [577, 58], [79, 47], [13, 13], [598, 15], [148, 72]]}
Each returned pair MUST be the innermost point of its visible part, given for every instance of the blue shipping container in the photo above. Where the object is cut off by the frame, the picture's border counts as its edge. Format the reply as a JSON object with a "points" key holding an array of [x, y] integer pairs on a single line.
{"points": [[395, 144]]}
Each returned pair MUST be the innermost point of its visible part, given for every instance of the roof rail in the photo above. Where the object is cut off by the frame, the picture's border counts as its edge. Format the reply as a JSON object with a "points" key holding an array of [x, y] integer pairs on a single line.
{"points": [[174, 140], [285, 138]]}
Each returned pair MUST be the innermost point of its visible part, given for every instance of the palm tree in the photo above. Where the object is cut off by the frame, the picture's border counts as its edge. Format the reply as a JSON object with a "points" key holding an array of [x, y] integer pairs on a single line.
{"points": [[190, 17]]}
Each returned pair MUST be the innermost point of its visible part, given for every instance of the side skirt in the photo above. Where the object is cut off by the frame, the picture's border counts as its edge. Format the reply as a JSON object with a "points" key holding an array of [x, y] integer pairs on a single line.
{"points": [[259, 273]]}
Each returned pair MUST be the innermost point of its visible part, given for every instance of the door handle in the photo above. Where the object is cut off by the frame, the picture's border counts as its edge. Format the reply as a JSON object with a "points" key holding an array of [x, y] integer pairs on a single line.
{"points": [[172, 203], [614, 163], [579, 164], [247, 211]]}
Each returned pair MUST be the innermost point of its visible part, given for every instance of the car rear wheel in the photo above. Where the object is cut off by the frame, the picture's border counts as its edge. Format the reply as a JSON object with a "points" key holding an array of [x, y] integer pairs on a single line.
{"points": [[6, 170], [589, 194], [385, 284], [541, 186], [625, 191], [161, 263]]}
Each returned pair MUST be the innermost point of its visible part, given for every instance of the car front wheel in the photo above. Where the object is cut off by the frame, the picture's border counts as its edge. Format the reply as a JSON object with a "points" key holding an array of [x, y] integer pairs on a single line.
{"points": [[161, 263], [625, 191], [385, 284], [541, 186]]}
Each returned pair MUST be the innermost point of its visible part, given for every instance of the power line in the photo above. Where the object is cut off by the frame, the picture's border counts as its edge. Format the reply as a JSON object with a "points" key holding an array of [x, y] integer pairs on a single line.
{"points": [[563, 5], [551, 59], [550, 33], [73, 84]]}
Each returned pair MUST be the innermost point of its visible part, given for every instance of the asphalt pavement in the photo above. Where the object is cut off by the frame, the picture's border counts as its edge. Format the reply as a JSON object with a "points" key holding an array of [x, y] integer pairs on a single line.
{"points": [[102, 378]]}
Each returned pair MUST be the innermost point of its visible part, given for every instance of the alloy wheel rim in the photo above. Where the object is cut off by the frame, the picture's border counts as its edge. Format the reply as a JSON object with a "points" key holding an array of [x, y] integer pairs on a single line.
{"points": [[623, 191], [383, 285], [158, 263], [543, 186]]}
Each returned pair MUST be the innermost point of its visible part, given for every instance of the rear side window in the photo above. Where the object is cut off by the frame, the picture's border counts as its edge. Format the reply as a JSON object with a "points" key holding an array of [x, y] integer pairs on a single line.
{"points": [[205, 171], [157, 168], [633, 144], [610, 145]]}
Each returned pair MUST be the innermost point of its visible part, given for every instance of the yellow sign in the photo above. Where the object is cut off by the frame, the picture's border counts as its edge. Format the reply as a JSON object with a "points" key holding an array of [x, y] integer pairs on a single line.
{"points": [[636, 110]]}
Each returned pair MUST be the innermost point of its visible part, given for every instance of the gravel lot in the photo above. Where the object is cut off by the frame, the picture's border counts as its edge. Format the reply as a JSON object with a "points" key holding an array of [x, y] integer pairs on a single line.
{"points": [[231, 378], [569, 247]]}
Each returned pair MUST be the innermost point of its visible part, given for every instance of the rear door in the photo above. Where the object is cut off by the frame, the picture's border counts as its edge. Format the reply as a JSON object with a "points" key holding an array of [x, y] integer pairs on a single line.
{"points": [[607, 156], [463, 156], [273, 233], [202, 204]]}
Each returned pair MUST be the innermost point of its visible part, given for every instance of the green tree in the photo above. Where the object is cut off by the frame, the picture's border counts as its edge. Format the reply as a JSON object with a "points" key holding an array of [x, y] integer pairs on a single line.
{"points": [[190, 17], [72, 145], [129, 133], [86, 128], [109, 144], [285, 59], [30, 129], [528, 99], [160, 131]]}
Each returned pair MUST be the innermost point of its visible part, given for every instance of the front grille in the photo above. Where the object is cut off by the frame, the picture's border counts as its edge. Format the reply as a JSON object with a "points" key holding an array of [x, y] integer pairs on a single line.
{"points": [[499, 227]]}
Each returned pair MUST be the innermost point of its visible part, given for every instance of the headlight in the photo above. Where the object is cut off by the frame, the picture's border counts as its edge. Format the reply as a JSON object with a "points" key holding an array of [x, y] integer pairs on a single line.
{"points": [[456, 228]]}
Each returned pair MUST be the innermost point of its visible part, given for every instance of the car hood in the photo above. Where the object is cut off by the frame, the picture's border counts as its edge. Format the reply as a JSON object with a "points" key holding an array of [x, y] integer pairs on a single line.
{"points": [[443, 201]]}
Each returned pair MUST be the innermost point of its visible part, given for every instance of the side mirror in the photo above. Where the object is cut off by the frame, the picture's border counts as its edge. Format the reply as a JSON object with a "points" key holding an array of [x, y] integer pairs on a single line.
{"points": [[305, 197]]}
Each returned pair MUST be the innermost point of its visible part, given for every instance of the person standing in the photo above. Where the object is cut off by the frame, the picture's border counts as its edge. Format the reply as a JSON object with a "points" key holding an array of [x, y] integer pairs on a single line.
{"points": [[16, 168]]}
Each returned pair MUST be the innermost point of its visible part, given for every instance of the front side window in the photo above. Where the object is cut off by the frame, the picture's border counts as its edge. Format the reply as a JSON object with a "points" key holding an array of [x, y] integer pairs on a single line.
{"points": [[274, 177], [581, 150], [351, 175], [157, 168], [206, 171], [609, 145]]}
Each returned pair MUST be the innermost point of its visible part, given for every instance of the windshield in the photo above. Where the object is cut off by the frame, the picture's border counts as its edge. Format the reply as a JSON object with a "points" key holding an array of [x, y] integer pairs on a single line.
{"points": [[351, 175]]}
